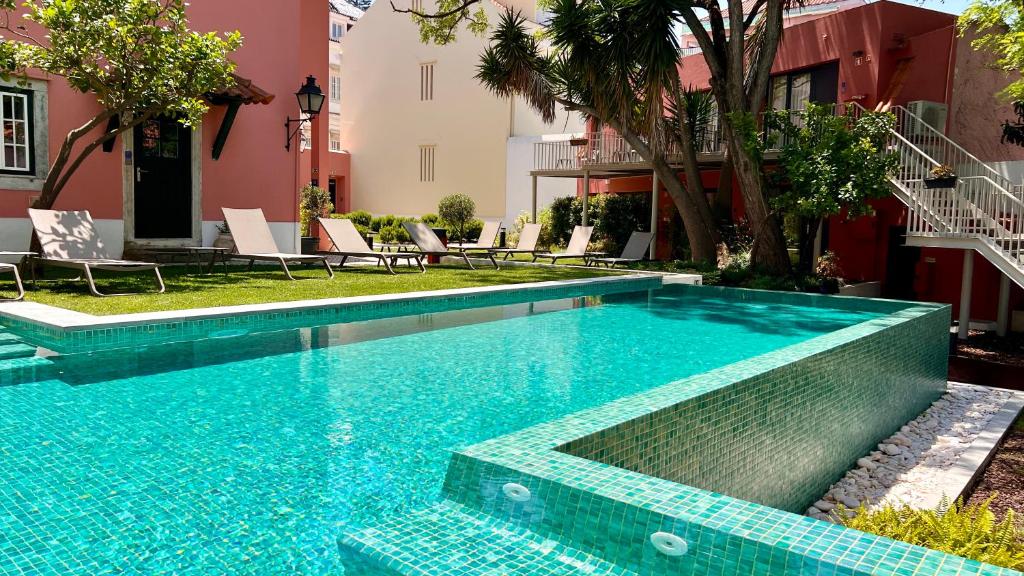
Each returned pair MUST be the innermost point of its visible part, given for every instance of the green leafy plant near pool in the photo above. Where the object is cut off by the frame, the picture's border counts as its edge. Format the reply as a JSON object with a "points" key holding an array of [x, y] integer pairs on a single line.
{"points": [[969, 531]]}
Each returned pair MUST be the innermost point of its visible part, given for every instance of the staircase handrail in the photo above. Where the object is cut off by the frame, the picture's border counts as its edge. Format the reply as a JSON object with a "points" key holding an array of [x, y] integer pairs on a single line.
{"points": [[999, 178]]}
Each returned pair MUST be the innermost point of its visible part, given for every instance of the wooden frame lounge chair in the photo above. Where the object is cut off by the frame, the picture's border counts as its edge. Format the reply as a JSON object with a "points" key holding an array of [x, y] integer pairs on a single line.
{"points": [[349, 243], [430, 245], [253, 241], [13, 269], [527, 244], [488, 234], [635, 250], [577, 247], [69, 240]]}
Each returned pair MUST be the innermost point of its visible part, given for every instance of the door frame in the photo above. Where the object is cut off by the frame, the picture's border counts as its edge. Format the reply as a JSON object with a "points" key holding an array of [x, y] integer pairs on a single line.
{"points": [[128, 197]]}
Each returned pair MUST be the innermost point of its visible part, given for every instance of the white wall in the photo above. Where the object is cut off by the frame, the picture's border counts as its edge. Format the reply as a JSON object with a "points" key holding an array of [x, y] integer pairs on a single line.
{"points": [[519, 184], [1013, 170], [384, 122]]}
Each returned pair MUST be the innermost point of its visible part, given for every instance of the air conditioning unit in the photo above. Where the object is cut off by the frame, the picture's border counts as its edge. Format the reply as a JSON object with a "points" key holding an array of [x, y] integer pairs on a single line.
{"points": [[932, 113]]}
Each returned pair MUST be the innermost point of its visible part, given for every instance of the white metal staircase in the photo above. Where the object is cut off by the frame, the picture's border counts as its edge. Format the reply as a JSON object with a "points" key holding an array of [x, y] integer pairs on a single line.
{"points": [[984, 212]]}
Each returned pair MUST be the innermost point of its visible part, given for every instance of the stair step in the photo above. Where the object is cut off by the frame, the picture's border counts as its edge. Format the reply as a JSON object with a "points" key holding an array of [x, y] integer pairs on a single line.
{"points": [[448, 540], [16, 350]]}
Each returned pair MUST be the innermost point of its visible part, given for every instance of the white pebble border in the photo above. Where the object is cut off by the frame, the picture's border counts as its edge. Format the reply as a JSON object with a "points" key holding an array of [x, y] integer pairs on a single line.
{"points": [[913, 466]]}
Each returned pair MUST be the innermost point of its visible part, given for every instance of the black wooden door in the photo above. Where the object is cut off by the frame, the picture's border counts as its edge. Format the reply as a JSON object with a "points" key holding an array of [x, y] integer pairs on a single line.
{"points": [[163, 179]]}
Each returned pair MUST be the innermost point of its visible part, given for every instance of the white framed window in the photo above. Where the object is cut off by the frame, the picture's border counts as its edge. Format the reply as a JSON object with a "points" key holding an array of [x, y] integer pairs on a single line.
{"points": [[426, 81], [16, 135], [338, 30], [335, 141], [335, 89], [427, 153]]}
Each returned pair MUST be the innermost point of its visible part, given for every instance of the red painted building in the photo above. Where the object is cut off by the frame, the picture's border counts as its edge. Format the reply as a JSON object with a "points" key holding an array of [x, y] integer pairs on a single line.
{"points": [[881, 55]]}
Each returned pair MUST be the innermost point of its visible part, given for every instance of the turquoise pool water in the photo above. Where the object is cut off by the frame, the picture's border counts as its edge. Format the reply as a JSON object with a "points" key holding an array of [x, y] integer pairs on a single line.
{"points": [[250, 454]]}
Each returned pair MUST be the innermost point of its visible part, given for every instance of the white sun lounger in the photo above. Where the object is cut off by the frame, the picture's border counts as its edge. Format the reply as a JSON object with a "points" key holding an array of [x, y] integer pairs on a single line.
{"points": [[348, 243], [527, 244], [634, 251], [577, 247], [253, 241], [68, 239], [430, 245], [488, 234]]}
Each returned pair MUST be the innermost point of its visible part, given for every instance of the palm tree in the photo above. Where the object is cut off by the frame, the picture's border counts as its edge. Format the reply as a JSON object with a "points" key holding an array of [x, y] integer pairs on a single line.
{"points": [[614, 61]]}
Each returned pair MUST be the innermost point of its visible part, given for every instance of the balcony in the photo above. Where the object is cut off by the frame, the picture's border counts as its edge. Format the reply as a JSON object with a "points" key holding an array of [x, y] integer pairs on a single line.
{"points": [[608, 153]]}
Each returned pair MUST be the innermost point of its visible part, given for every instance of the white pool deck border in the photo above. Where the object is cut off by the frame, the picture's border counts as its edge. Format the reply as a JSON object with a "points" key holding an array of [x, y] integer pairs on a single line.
{"points": [[967, 471], [64, 319]]}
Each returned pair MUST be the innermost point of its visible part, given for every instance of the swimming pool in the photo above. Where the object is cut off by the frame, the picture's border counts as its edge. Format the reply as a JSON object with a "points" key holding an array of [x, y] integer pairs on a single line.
{"points": [[251, 453]]}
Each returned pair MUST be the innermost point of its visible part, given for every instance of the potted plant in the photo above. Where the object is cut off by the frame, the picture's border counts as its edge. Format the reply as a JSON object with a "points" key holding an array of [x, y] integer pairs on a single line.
{"points": [[828, 272], [314, 202], [579, 141], [942, 176], [224, 238]]}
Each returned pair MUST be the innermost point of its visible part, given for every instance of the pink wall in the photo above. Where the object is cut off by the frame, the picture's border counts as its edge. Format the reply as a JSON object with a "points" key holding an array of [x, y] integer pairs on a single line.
{"points": [[254, 169]]}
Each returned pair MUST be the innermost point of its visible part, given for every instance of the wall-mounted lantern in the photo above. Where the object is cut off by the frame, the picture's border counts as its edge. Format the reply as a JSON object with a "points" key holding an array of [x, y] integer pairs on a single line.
{"points": [[311, 100]]}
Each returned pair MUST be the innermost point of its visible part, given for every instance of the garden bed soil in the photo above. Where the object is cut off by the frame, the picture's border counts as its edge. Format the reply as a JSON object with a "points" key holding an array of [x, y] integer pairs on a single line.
{"points": [[1004, 475], [987, 346]]}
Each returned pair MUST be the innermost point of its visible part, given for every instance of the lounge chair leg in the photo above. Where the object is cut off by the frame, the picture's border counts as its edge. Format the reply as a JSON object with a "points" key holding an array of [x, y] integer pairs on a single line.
{"points": [[468, 263], [506, 255], [384, 260], [91, 282], [159, 281], [327, 265], [287, 272], [343, 260], [493, 261], [18, 286], [534, 258], [419, 261], [251, 262]]}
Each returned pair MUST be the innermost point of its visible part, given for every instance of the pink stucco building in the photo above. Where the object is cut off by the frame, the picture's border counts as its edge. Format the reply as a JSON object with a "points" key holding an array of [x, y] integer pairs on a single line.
{"points": [[164, 185]]}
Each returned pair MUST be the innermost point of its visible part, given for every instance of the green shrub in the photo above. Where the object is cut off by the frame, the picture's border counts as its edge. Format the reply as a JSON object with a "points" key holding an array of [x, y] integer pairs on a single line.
{"points": [[387, 235], [430, 219], [362, 229], [472, 229], [969, 531], [358, 217], [457, 211], [613, 216], [381, 222], [561, 220]]}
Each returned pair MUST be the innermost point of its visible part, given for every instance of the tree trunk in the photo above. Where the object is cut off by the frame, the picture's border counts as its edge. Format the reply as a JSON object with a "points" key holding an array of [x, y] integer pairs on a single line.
{"points": [[769, 249], [722, 207], [700, 232]]}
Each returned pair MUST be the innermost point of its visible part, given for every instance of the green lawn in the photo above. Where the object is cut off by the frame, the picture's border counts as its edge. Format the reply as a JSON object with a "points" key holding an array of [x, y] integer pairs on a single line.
{"points": [[268, 284]]}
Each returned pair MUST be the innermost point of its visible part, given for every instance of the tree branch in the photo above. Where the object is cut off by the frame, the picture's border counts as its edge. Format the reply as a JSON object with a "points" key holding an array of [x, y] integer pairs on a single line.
{"points": [[436, 16]]}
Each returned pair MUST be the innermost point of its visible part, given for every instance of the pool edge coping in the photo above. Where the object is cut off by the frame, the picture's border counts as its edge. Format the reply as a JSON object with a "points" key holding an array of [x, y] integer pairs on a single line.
{"points": [[63, 319]]}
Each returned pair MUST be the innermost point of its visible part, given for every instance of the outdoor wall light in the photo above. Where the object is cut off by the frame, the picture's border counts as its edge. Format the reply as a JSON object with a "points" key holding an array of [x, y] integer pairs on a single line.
{"points": [[311, 100]]}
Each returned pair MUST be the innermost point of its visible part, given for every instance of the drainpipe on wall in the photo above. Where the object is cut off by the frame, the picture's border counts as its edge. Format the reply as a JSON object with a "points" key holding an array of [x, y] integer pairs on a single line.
{"points": [[947, 96]]}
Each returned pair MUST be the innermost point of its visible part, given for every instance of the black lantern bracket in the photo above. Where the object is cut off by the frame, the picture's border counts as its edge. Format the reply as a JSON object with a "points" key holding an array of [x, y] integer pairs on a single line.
{"points": [[311, 100]]}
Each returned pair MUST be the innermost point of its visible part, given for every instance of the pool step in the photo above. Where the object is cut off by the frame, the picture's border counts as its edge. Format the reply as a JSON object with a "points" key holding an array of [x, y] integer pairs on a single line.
{"points": [[15, 349], [448, 540]]}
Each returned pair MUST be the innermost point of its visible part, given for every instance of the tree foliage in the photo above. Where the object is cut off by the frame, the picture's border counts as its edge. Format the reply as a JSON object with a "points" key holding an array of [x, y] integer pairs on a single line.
{"points": [[828, 164], [613, 61], [457, 210], [139, 58], [1001, 32]]}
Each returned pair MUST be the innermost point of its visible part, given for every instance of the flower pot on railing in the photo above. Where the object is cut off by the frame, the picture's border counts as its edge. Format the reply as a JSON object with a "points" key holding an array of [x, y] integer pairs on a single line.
{"points": [[940, 182], [579, 141]]}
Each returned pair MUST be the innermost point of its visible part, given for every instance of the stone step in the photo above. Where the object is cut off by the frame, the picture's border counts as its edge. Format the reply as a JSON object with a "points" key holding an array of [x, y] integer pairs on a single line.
{"points": [[448, 540]]}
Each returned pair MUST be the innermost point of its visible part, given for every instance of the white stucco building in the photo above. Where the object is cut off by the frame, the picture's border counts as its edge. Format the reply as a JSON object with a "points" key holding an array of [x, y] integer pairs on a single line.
{"points": [[420, 126]]}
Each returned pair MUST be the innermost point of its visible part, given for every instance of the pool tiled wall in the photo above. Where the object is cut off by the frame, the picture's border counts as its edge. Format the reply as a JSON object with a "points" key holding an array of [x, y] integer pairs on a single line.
{"points": [[782, 436]]}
